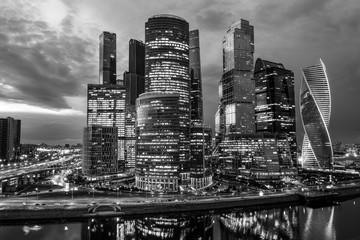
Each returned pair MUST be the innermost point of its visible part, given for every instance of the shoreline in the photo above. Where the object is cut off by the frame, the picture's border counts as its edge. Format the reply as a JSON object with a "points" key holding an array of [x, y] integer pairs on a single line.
{"points": [[127, 209]]}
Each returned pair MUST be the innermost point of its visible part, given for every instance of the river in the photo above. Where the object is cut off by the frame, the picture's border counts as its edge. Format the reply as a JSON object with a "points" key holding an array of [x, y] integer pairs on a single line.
{"points": [[291, 222]]}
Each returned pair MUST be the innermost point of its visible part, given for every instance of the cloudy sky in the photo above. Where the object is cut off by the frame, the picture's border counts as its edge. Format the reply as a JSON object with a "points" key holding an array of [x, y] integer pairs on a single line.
{"points": [[49, 53]]}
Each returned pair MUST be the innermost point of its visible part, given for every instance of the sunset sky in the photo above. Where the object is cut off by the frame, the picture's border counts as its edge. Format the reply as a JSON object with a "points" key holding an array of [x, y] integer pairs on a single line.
{"points": [[49, 53]]}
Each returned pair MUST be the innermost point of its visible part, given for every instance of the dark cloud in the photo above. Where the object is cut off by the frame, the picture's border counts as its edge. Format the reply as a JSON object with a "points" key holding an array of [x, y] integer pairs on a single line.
{"points": [[42, 65]]}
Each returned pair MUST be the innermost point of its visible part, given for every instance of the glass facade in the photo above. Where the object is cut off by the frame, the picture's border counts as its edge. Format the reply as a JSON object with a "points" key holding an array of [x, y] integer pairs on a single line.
{"points": [[255, 152], [107, 63], [167, 70], [158, 149], [106, 107], [315, 110], [236, 87], [200, 148], [275, 102], [10, 130], [99, 151], [196, 100], [135, 85]]}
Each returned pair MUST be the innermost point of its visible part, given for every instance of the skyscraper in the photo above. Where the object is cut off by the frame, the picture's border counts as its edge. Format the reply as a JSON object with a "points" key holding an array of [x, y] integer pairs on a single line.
{"points": [[99, 151], [157, 146], [166, 73], [275, 103], [196, 99], [315, 110], [107, 63], [236, 87], [167, 69], [135, 85], [200, 134], [106, 107], [10, 130]]}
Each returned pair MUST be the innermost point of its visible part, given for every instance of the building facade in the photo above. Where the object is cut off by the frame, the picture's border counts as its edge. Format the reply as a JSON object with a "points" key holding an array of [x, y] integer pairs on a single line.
{"points": [[200, 151], [100, 151], [106, 107], [275, 103], [107, 60], [237, 88], [167, 72], [135, 85], [196, 98], [158, 151], [10, 130], [315, 110]]}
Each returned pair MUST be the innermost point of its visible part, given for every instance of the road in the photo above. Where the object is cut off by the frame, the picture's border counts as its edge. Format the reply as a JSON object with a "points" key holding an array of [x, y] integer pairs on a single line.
{"points": [[21, 170]]}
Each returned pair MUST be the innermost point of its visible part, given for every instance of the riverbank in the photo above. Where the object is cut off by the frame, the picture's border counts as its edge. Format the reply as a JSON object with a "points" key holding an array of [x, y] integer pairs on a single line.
{"points": [[81, 211]]}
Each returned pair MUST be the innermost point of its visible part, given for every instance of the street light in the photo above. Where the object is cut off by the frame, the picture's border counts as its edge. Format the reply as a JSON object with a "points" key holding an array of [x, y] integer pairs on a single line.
{"points": [[117, 193], [93, 191]]}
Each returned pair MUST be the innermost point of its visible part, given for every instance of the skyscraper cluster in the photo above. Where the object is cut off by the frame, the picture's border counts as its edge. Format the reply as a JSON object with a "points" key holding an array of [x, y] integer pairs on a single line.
{"points": [[151, 121]]}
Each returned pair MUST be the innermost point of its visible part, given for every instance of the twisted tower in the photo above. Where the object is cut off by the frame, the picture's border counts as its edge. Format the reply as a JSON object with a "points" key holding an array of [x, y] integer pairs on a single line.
{"points": [[315, 109]]}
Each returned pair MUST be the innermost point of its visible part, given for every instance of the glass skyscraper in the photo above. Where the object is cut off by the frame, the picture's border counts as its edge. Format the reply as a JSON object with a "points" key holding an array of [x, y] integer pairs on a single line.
{"points": [[107, 60], [99, 151], [167, 69], [236, 87], [106, 107], [135, 85], [315, 110], [196, 99], [275, 103], [166, 73], [10, 130], [158, 137]]}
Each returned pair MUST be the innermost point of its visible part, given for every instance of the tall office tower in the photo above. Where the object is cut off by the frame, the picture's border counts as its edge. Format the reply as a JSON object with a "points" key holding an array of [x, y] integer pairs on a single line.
{"points": [[167, 71], [10, 130], [106, 107], [135, 85], [315, 110], [236, 87], [158, 136], [107, 64], [99, 151], [275, 103], [196, 99], [200, 135], [200, 149]]}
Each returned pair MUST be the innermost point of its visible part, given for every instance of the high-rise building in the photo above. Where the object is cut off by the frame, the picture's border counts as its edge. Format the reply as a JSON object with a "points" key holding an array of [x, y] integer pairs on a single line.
{"points": [[157, 146], [10, 130], [163, 147], [135, 85], [167, 69], [200, 135], [315, 110], [196, 99], [100, 151], [106, 107], [200, 151], [275, 103], [236, 87], [107, 63]]}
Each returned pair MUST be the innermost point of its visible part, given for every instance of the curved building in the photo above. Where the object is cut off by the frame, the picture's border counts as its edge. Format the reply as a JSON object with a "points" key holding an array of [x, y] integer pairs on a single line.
{"points": [[157, 145], [167, 71], [315, 109]]}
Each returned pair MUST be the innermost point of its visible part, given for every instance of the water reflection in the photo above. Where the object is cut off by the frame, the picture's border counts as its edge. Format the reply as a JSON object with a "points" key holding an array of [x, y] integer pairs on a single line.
{"points": [[262, 224], [293, 222], [259, 224], [319, 223]]}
